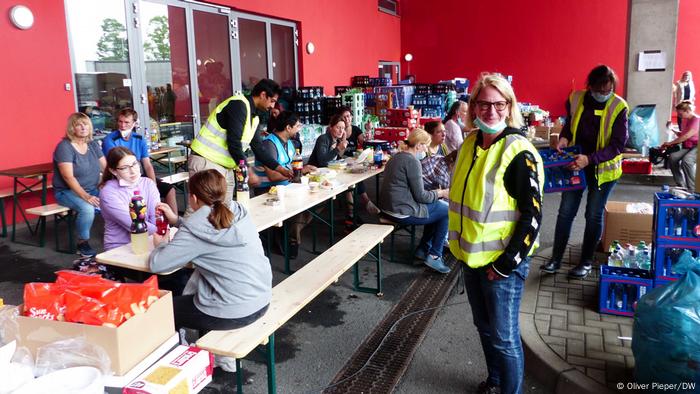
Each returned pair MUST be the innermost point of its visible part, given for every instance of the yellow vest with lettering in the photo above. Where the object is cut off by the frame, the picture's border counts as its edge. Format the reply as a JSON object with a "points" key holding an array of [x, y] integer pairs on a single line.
{"points": [[211, 140], [482, 215], [610, 170]]}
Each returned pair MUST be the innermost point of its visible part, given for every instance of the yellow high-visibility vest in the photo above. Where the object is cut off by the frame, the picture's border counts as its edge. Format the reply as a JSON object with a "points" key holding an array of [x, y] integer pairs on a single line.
{"points": [[211, 140], [482, 215], [610, 170]]}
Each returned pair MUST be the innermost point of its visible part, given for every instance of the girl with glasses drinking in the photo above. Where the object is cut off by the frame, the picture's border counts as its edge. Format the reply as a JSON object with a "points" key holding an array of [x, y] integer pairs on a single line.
{"points": [[120, 180]]}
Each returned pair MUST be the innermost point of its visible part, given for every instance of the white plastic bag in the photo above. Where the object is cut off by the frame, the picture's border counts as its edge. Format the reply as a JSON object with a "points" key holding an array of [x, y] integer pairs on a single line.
{"points": [[72, 352]]}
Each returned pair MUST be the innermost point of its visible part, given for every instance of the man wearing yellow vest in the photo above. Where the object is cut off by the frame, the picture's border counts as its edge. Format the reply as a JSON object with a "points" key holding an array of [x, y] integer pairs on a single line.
{"points": [[597, 122], [494, 219], [230, 129]]}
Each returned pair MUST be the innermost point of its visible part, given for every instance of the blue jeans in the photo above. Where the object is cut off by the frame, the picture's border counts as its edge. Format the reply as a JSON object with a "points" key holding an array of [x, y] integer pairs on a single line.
{"points": [[86, 211], [434, 227], [595, 207], [495, 308]]}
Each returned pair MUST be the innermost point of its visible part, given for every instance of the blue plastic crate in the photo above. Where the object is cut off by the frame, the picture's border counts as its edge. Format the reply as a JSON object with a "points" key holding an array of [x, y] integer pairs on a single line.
{"points": [[557, 178], [662, 282], [676, 220], [620, 288], [665, 256]]}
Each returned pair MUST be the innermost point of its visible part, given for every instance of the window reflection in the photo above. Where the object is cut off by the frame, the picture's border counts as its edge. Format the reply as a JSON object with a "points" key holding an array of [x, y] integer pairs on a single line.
{"points": [[100, 59], [283, 55], [253, 47]]}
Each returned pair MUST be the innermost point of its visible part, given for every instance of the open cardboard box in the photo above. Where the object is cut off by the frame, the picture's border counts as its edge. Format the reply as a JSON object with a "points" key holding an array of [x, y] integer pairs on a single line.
{"points": [[125, 345], [624, 226]]}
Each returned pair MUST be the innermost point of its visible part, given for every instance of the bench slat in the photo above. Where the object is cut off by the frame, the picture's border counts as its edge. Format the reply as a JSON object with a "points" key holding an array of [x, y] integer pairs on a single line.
{"points": [[47, 210], [9, 191], [295, 292], [176, 178]]}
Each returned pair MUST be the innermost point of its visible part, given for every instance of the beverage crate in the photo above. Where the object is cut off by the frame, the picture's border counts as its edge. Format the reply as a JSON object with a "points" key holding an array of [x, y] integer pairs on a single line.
{"points": [[380, 81], [401, 94], [676, 220], [661, 282], [620, 289], [339, 90], [666, 256], [435, 99], [636, 166], [309, 92], [433, 111], [423, 89], [419, 99], [557, 178], [391, 134], [444, 87], [425, 119], [360, 80]]}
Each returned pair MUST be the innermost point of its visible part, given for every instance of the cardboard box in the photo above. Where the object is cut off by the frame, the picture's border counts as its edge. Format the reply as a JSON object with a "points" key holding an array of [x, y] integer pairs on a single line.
{"points": [[186, 369], [125, 345], [625, 227]]}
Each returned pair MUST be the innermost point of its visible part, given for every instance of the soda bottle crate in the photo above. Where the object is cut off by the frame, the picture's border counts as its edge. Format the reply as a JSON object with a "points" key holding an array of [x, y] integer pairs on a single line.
{"points": [[661, 282], [360, 80], [339, 90], [419, 99], [423, 88], [402, 113], [664, 257], [620, 288], [676, 220], [435, 99], [557, 177], [433, 111], [391, 134]]}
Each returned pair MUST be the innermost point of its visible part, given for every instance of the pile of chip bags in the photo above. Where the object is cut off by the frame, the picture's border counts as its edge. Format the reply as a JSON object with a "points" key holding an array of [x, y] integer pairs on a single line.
{"points": [[88, 299]]}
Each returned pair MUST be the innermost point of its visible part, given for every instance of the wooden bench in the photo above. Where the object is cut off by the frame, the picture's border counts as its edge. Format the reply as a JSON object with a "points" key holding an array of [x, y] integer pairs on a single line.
{"points": [[293, 294], [60, 214], [409, 228], [9, 192]]}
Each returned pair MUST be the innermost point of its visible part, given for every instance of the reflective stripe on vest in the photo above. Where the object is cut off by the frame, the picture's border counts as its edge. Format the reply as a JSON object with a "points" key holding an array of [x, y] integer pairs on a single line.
{"points": [[482, 215], [211, 141], [612, 169], [283, 158]]}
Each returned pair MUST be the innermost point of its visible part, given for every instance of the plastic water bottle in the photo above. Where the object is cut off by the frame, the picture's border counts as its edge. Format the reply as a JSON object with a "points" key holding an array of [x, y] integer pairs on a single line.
{"points": [[645, 146]]}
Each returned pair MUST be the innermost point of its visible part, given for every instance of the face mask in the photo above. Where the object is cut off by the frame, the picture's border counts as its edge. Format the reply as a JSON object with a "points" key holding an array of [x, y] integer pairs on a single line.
{"points": [[459, 122], [124, 133], [497, 128], [420, 155], [125, 183], [601, 98]]}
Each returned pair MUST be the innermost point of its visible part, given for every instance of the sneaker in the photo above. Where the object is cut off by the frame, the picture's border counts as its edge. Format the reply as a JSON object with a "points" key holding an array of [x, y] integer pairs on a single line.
{"points": [[372, 209], [226, 363], [85, 250], [437, 264]]}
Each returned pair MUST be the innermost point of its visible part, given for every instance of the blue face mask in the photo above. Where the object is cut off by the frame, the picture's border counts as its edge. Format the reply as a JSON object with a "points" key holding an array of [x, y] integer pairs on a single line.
{"points": [[497, 128], [420, 155], [601, 98]]}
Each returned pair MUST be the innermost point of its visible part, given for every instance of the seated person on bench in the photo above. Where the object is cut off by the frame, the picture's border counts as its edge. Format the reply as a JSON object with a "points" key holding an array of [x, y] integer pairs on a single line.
{"points": [[280, 146], [120, 180], [232, 279], [404, 200], [77, 162]]}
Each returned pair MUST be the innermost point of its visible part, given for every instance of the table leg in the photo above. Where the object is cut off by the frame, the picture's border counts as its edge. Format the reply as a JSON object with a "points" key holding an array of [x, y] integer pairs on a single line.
{"points": [[15, 200], [285, 231]]}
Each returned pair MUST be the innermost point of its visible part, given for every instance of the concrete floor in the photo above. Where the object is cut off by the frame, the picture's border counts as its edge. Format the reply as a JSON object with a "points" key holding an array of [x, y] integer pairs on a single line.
{"points": [[317, 342]]}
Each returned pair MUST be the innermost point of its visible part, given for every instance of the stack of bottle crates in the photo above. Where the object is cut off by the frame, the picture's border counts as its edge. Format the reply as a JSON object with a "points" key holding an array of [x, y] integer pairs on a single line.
{"points": [[308, 104], [356, 103], [330, 107], [676, 229], [557, 177], [620, 289]]}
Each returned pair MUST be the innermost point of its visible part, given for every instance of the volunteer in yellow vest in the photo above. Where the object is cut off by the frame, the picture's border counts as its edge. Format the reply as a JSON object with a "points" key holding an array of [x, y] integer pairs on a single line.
{"points": [[494, 218], [597, 122], [230, 129]]}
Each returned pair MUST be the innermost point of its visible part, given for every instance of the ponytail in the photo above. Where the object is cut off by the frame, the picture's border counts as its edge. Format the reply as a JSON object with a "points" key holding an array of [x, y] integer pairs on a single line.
{"points": [[220, 216], [209, 186]]}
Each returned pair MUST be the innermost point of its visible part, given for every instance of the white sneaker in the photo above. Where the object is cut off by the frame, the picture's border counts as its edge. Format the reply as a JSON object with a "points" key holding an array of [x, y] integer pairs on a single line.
{"points": [[372, 209], [226, 363]]}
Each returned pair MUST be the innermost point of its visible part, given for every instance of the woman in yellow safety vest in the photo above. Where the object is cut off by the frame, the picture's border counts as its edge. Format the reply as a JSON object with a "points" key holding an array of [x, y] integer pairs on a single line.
{"points": [[597, 123], [494, 219]]}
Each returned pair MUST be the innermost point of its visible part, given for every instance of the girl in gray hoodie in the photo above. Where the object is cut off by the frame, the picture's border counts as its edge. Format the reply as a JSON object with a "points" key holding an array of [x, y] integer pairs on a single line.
{"points": [[232, 275]]}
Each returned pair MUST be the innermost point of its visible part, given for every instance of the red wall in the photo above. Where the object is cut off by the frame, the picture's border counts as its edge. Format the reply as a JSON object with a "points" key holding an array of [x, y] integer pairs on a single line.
{"points": [[548, 46], [687, 49]]}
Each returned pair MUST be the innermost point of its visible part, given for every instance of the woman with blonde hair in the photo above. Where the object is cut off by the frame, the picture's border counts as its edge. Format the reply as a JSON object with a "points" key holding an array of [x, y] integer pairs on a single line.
{"points": [[494, 218], [77, 162], [405, 201], [232, 276], [682, 161]]}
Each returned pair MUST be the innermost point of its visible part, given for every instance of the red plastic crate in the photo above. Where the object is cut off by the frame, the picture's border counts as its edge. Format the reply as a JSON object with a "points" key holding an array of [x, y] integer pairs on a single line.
{"points": [[391, 134], [423, 121], [636, 166]]}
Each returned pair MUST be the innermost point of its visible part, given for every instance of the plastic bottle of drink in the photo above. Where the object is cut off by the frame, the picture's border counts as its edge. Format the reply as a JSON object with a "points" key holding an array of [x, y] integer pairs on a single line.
{"points": [[615, 243], [139, 230], [621, 299], [378, 157], [161, 223], [628, 258], [670, 225], [645, 147], [297, 166], [679, 220], [242, 189]]}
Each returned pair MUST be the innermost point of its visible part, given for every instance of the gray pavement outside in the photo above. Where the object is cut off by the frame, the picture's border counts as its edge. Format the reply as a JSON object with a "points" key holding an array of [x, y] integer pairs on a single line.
{"points": [[316, 343]]}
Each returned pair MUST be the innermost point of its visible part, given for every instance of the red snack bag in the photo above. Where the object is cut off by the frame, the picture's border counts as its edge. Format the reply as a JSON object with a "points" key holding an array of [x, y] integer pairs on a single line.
{"points": [[88, 310], [44, 301], [135, 298]]}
